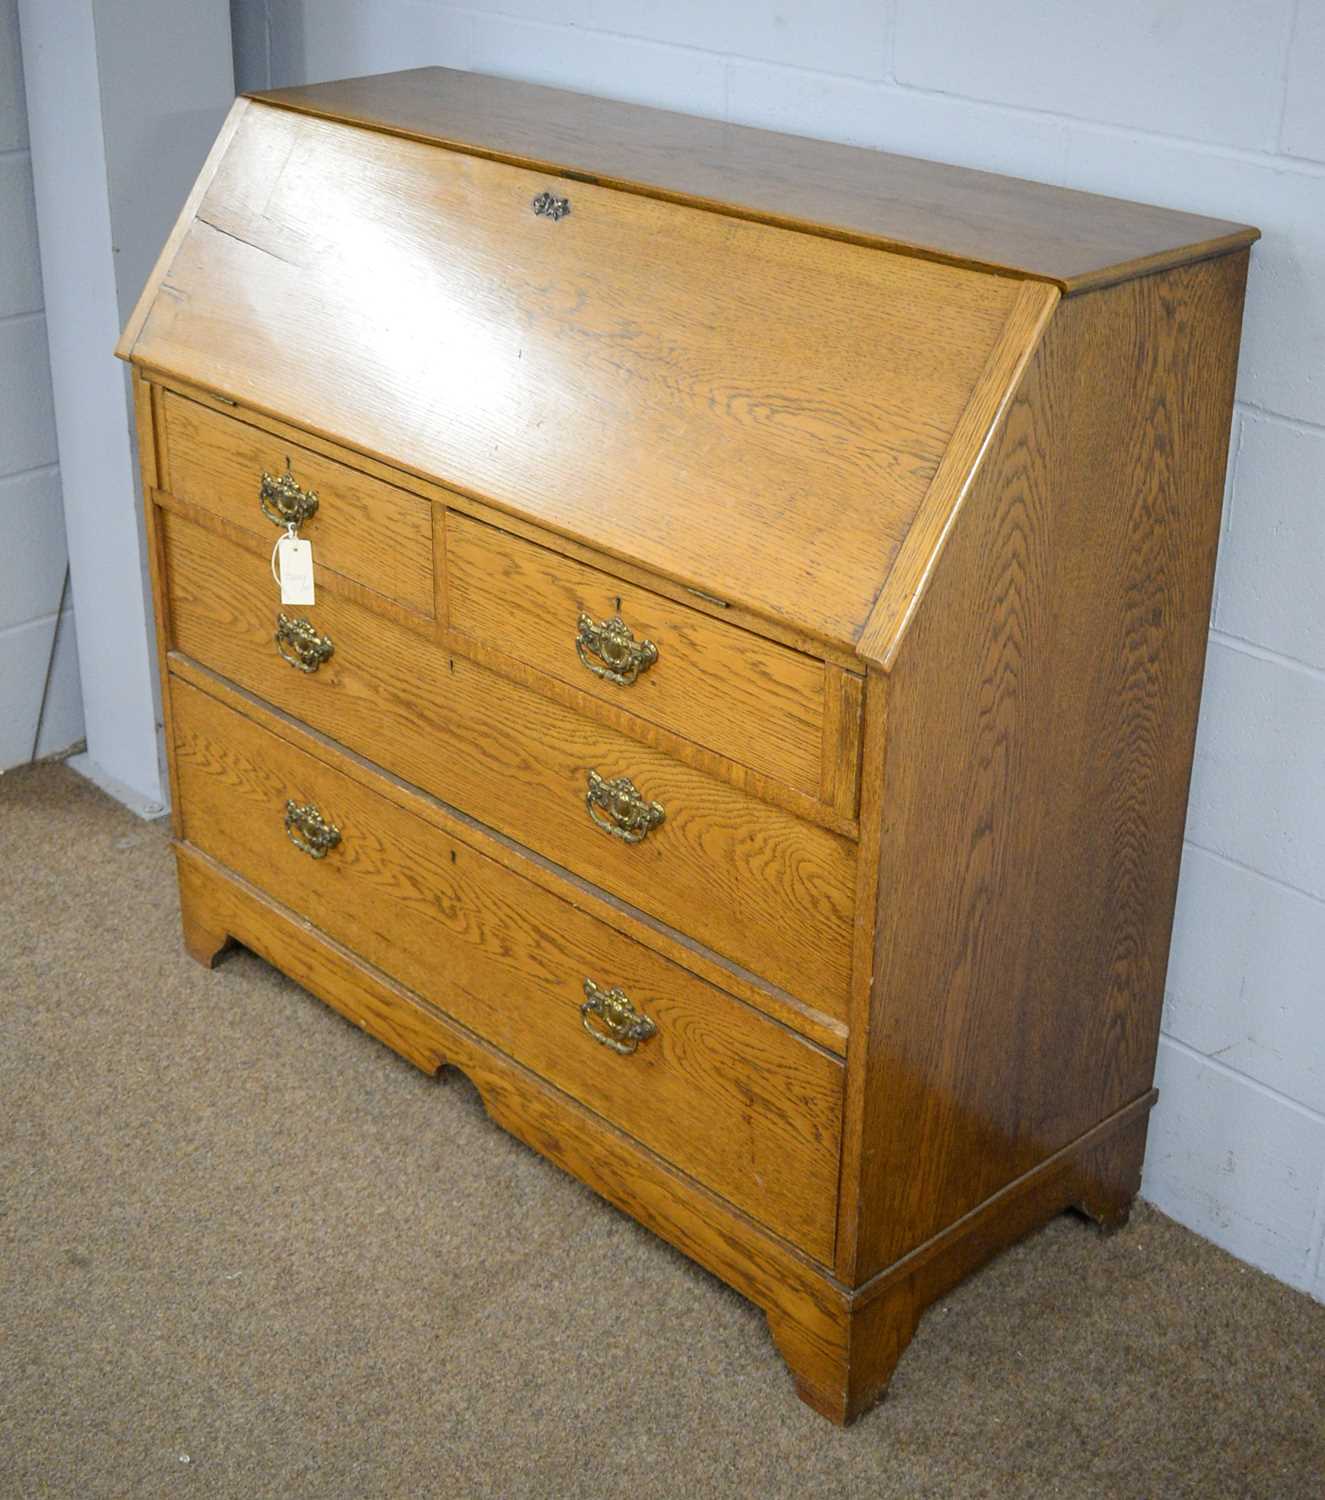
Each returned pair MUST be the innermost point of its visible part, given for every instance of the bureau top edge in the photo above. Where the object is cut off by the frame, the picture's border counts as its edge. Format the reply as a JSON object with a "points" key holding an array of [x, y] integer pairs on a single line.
{"points": [[984, 221]]}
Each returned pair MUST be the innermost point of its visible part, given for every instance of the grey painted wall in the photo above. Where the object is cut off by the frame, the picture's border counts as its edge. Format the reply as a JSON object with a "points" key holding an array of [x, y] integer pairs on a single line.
{"points": [[1218, 108], [123, 99], [32, 543]]}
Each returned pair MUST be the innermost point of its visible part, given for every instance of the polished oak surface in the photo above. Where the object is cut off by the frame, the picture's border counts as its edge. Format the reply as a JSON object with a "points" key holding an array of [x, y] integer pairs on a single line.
{"points": [[814, 1025], [1036, 789], [716, 685], [801, 637], [1078, 240], [370, 533], [398, 891], [761, 887], [755, 413]]}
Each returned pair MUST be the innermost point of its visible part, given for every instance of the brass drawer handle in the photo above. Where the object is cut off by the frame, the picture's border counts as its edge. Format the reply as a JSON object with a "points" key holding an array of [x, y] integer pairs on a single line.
{"points": [[548, 206], [309, 830], [299, 644], [617, 808], [282, 501], [621, 658], [624, 1027]]}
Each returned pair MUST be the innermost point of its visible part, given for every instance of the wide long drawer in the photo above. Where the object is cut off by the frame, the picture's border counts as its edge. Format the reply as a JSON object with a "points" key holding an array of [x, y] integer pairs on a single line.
{"points": [[761, 887], [739, 1102]]}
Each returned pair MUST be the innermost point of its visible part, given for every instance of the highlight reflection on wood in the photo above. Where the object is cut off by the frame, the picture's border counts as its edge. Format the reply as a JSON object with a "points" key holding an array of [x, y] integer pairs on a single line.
{"points": [[746, 716]]}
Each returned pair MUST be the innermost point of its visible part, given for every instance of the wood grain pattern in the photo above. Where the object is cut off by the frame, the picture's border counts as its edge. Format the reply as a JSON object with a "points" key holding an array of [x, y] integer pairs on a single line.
{"points": [[918, 556], [1042, 715], [812, 1024], [844, 694], [843, 1378], [373, 533], [328, 581], [751, 412], [401, 472], [700, 1224], [746, 698], [927, 551], [750, 881], [834, 806], [509, 962], [873, 791], [1079, 240], [841, 1346]]}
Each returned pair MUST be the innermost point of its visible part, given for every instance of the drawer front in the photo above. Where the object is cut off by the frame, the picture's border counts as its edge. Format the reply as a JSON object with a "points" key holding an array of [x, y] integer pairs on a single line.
{"points": [[756, 884], [735, 1100], [757, 703], [373, 533]]}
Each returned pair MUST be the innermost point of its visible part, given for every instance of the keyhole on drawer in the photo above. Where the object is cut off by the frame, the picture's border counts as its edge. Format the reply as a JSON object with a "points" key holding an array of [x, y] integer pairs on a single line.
{"points": [[453, 856], [618, 604]]}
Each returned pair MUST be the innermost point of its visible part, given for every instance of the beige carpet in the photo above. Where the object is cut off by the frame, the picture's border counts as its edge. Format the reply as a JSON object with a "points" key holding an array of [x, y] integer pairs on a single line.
{"points": [[245, 1251]]}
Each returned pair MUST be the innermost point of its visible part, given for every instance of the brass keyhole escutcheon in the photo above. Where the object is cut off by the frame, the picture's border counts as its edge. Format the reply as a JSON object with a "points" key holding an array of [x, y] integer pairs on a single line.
{"points": [[549, 206]]}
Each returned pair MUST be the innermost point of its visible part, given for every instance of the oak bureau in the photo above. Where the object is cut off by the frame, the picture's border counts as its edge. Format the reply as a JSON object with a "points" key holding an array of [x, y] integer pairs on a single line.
{"points": [[745, 714]]}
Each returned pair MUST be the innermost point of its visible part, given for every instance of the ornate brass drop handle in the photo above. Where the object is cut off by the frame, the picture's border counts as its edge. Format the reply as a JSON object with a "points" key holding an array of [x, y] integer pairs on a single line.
{"points": [[309, 830], [620, 657], [282, 501], [299, 644], [619, 1025], [617, 808]]}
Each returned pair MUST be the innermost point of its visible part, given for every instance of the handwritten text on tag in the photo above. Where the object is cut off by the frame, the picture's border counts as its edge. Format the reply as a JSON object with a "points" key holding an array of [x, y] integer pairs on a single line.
{"points": [[295, 559]]}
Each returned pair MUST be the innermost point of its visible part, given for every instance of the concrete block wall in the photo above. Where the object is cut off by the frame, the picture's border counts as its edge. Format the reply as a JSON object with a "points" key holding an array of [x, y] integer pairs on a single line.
{"points": [[32, 544], [1219, 108]]}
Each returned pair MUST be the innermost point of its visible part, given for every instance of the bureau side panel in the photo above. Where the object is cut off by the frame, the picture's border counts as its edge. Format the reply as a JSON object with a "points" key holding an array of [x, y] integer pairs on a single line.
{"points": [[1041, 723]]}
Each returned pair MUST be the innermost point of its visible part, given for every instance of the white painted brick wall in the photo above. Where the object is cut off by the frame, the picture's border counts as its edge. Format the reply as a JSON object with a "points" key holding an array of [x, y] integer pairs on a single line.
{"points": [[1304, 107], [644, 72], [1269, 580], [1217, 106], [32, 545], [1257, 786], [1211, 70], [1238, 1162]]}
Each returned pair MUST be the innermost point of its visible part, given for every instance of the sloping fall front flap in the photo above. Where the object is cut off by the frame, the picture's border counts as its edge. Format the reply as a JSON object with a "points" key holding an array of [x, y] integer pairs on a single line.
{"points": [[763, 414]]}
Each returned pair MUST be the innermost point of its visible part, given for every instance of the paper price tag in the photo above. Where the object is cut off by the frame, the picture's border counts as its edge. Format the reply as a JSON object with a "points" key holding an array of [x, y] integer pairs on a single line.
{"points": [[294, 558]]}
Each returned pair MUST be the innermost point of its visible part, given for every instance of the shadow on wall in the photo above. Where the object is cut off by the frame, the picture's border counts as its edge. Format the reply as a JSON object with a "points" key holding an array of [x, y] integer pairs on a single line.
{"points": [[305, 41]]}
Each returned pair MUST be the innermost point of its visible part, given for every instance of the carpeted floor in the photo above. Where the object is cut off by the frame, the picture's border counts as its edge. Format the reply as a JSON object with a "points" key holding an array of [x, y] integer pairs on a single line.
{"points": [[247, 1252]]}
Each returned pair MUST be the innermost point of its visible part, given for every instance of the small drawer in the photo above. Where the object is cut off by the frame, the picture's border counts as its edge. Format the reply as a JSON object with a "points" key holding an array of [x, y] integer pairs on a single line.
{"points": [[735, 1100], [373, 533], [713, 683], [765, 889]]}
